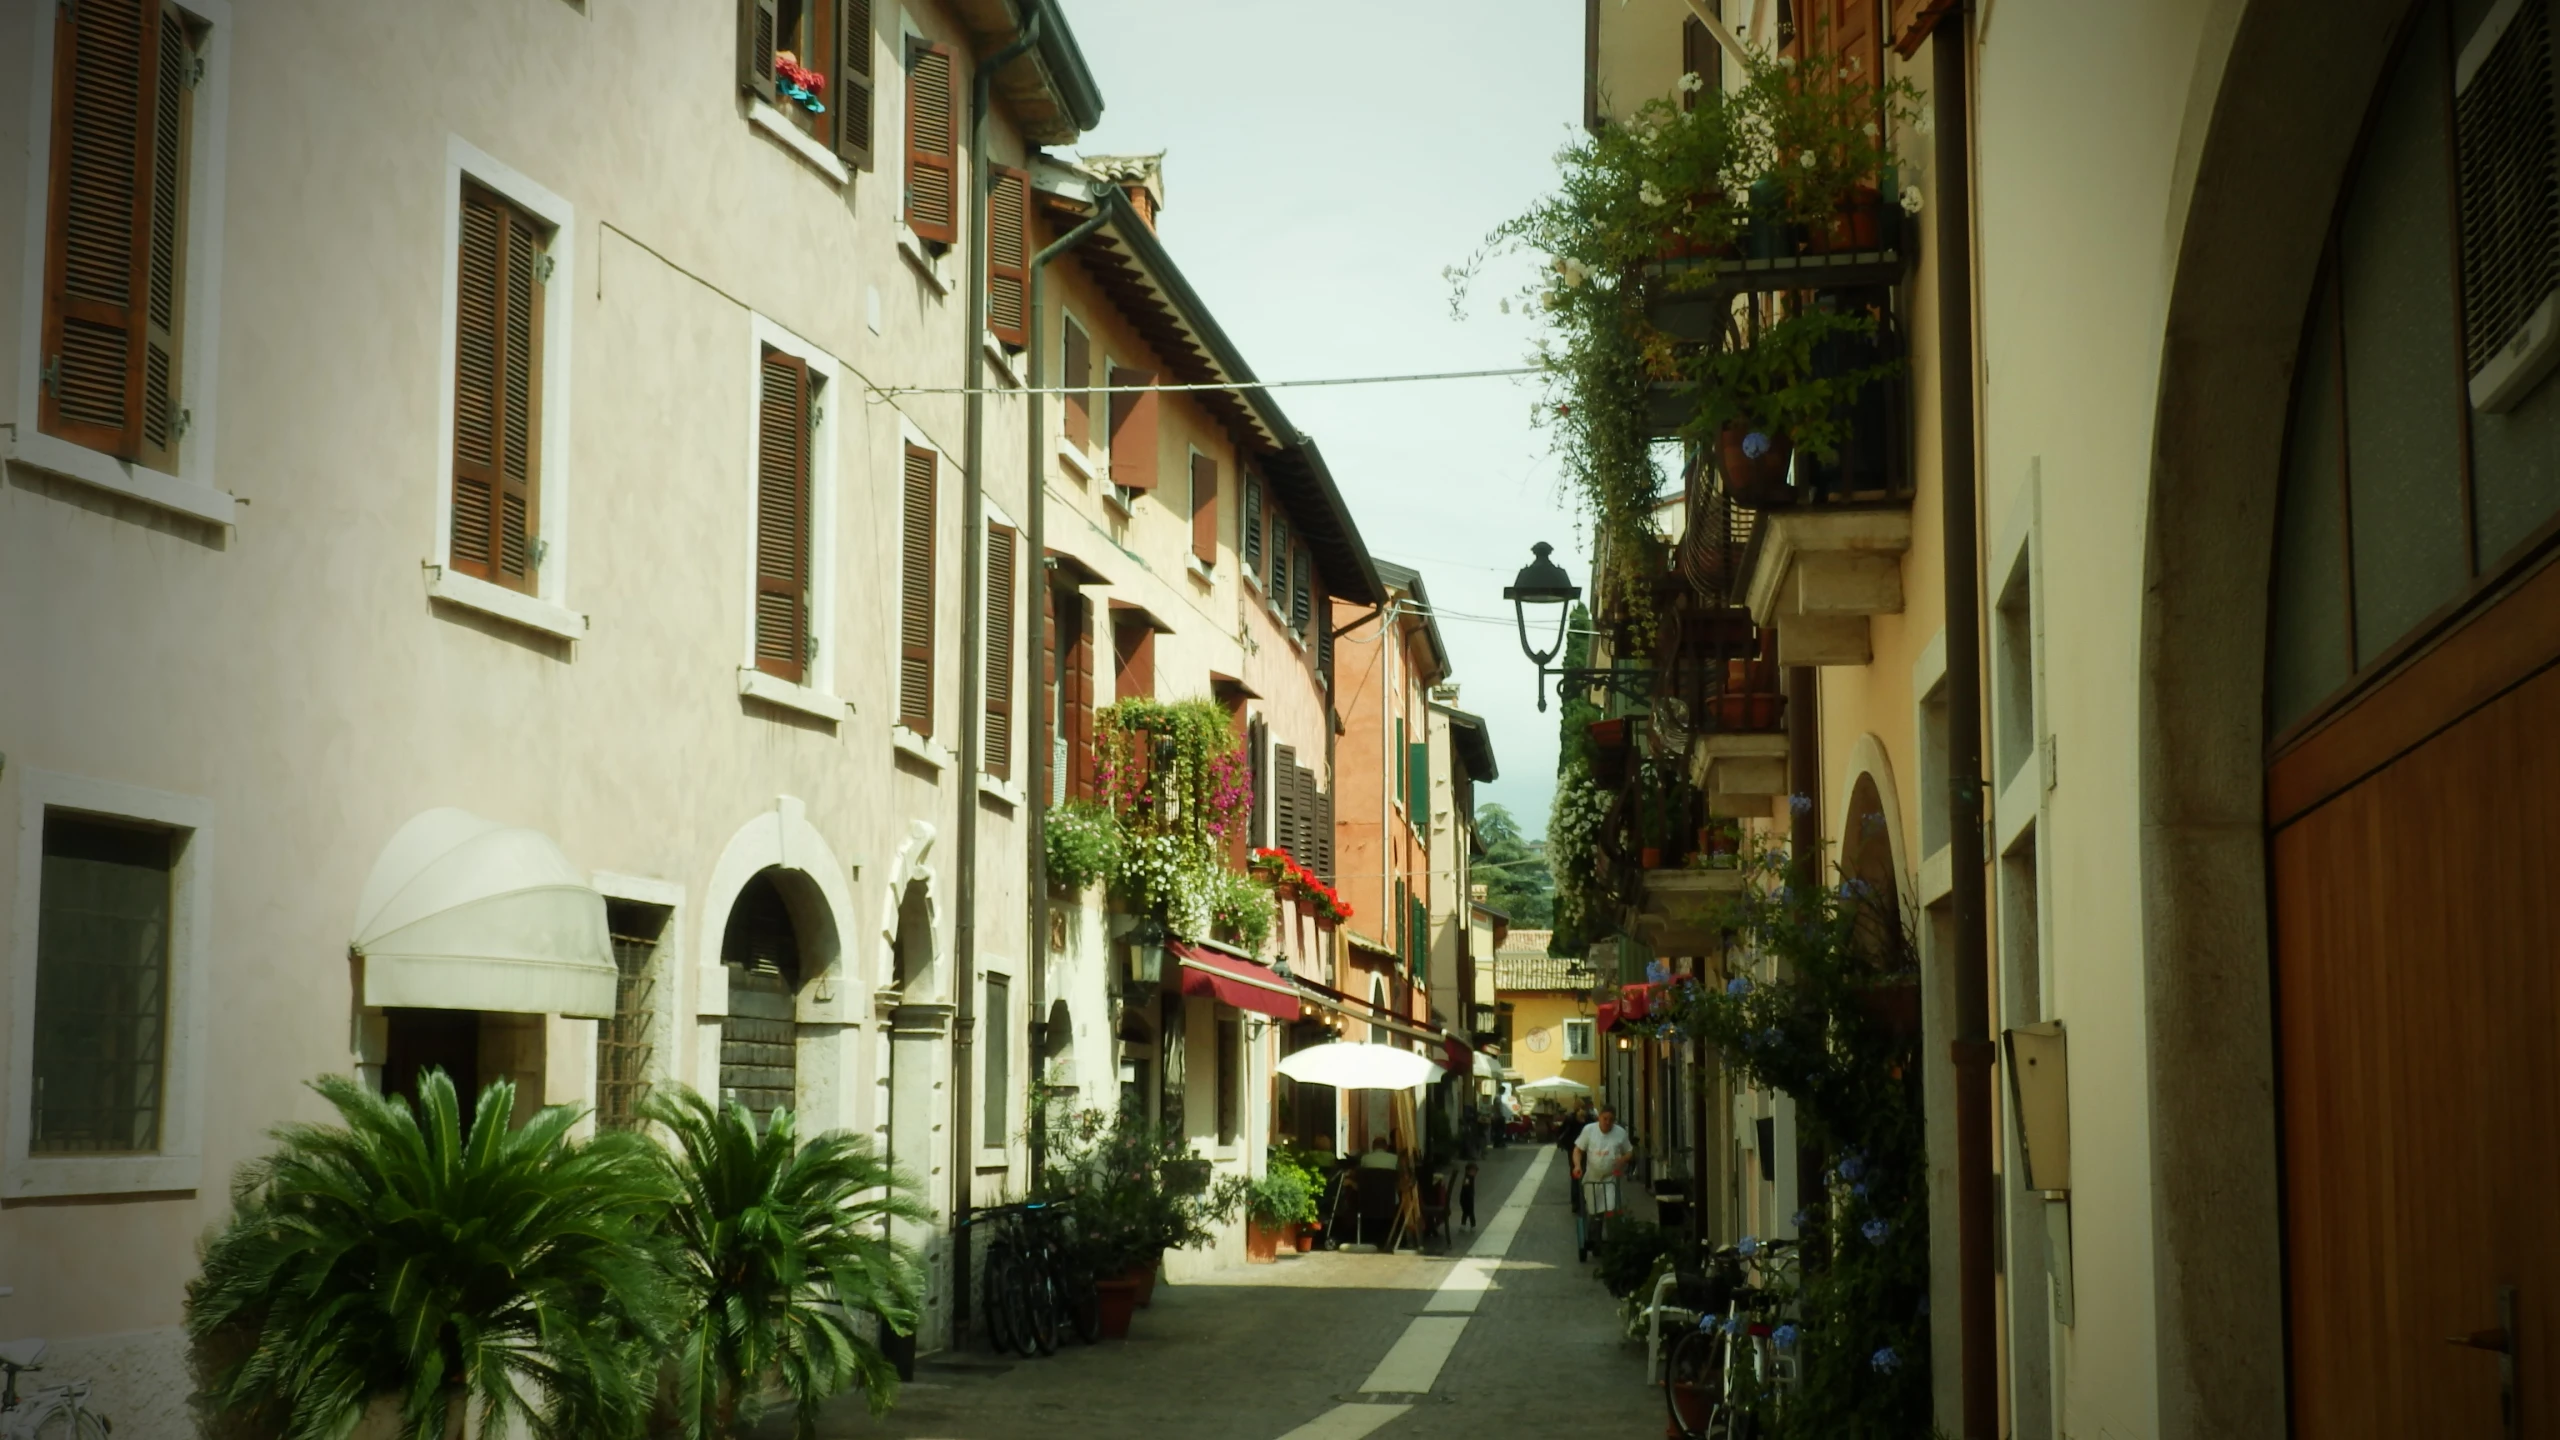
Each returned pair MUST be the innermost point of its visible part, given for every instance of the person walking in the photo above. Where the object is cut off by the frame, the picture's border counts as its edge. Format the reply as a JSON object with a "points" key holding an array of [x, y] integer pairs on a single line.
{"points": [[1600, 1155], [1569, 1130]]}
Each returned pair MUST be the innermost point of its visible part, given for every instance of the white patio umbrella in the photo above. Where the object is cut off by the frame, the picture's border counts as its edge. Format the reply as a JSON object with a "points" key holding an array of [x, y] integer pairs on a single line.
{"points": [[1358, 1065], [1553, 1085]]}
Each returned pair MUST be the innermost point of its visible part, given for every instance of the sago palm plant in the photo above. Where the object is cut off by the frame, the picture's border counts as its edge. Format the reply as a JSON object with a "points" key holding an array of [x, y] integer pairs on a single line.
{"points": [[778, 1244], [403, 1257]]}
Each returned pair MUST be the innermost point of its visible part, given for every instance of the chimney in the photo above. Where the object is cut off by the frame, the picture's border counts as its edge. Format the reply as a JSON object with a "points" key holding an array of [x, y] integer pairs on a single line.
{"points": [[1139, 177]]}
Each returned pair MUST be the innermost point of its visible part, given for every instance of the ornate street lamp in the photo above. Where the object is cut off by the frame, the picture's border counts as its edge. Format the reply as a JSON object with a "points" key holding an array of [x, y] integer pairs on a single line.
{"points": [[1146, 951], [1543, 582]]}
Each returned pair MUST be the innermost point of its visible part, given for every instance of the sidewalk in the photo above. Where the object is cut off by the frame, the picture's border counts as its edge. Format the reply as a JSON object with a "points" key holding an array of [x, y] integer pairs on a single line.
{"points": [[1449, 1348]]}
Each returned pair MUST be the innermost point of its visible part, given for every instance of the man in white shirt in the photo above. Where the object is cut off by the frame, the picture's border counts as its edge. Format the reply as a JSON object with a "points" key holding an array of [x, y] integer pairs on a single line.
{"points": [[1600, 1155]]}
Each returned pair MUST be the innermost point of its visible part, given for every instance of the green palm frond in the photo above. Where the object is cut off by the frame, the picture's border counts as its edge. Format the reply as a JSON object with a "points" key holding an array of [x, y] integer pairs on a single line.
{"points": [[779, 1245], [403, 1255]]}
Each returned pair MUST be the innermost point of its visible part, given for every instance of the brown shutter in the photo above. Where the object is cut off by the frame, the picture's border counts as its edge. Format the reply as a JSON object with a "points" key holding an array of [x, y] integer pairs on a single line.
{"points": [[1698, 57], [782, 517], [497, 392], [1044, 728], [1009, 257], [1076, 360], [1257, 744], [1133, 430], [1072, 609], [852, 86], [1204, 509], [1284, 801], [1134, 642], [758, 24], [933, 189], [1001, 589], [915, 595], [116, 228]]}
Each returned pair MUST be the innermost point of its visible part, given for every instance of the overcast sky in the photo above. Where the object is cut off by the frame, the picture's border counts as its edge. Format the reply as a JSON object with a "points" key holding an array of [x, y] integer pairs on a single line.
{"points": [[1327, 158]]}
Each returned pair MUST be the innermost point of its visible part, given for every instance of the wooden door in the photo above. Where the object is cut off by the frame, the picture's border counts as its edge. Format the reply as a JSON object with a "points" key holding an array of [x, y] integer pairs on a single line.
{"points": [[2419, 1035]]}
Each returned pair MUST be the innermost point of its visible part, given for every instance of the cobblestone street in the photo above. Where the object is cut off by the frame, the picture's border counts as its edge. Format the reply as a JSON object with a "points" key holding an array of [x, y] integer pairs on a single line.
{"points": [[1495, 1340]]}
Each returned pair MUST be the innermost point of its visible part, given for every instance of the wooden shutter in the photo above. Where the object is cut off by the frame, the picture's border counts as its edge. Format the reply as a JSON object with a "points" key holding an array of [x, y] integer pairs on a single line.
{"points": [[782, 517], [1001, 589], [1135, 641], [1133, 430], [915, 595], [497, 392], [1257, 744], [1278, 540], [1284, 799], [1301, 592], [1204, 509], [115, 232], [1079, 705], [1418, 795], [851, 88], [759, 23], [1310, 831], [933, 189], [1324, 836], [1249, 516], [1045, 731], [1075, 360], [1009, 257]]}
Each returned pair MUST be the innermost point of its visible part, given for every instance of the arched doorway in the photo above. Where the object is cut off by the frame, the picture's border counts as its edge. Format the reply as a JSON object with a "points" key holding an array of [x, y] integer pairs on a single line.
{"points": [[759, 1041], [2341, 801]]}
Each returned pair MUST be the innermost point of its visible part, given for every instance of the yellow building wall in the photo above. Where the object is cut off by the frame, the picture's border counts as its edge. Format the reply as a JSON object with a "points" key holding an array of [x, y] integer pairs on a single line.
{"points": [[1539, 1016]]}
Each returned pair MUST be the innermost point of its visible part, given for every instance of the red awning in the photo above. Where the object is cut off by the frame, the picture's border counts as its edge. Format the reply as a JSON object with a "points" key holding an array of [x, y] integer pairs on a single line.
{"points": [[1461, 1059], [1240, 983]]}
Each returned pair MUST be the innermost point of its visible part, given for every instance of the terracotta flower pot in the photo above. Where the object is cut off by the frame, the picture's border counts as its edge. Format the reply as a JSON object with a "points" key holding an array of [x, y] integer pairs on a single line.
{"points": [[1119, 1306], [1754, 462], [1650, 857], [1261, 1242], [1303, 1236], [1144, 1274]]}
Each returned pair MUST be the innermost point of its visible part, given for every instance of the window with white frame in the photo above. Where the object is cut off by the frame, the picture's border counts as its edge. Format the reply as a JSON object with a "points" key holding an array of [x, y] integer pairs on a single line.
{"points": [[995, 1026], [106, 1094], [117, 355], [502, 516], [1578, 1040]]}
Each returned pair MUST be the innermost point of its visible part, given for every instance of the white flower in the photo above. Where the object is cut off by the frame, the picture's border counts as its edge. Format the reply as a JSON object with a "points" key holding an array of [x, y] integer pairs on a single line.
{"points": [[1786, 62], [1575, 273], [1650, 194], [1806, 159], [1927, 122], [1551, 299], [1690, 84], [1910, 199], [1840, 74], [1871, 130], [1856, 64]]}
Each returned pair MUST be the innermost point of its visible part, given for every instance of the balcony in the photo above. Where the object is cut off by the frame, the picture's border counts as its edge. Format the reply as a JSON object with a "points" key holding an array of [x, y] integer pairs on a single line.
{"points": [[1819, 573], [1683, 912]]}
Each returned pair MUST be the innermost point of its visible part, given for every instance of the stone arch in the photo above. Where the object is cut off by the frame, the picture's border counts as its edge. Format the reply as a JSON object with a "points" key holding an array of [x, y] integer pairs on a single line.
{"points": [[912, 897], [1874, 845], [2280, 93], [813, 886]]}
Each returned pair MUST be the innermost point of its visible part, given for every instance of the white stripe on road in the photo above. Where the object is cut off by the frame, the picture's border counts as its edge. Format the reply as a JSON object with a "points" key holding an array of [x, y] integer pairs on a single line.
{"points": [[1415, 1360], [1346, 1422], [1464, 1289]]}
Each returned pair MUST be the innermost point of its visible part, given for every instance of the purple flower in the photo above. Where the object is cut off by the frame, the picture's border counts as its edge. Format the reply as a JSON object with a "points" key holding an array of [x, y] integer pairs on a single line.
{"points": [[1656, 972], [1876, 1230], [1852, 1165], [1801, 804], [1735, 1325], [1859, 1189], [1738, 986], [1754, 445], [1784, 1337], [1885, 1361], [1748, 1246]]}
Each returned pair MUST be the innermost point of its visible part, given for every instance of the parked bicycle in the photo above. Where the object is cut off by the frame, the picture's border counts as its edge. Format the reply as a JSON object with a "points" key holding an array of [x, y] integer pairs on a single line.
{"points": [[1032, 1286], [58, 1412], [1740, 1359]]}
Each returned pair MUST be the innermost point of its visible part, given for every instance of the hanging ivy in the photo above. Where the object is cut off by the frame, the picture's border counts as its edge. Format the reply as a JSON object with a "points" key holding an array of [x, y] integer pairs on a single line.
{"points": [[1179, 786]]}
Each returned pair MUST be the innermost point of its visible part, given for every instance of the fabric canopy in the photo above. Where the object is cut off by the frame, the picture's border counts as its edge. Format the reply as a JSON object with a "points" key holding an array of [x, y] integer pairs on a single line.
{"points": [[462, 913], [1488, 1067], [1240, 983], [1555, 1085], [1357, 1065], [1456, 1054]]}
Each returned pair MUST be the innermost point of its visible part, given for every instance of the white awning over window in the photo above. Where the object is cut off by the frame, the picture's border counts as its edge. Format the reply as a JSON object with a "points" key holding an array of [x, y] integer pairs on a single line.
{"points": [[462, 913]]}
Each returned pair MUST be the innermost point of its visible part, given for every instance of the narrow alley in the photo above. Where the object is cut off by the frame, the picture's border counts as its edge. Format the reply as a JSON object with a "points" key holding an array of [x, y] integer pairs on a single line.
{"points": [[1507, 1335]]}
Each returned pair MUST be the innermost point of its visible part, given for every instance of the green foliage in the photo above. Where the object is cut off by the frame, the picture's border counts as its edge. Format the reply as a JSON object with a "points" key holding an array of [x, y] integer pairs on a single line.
{"points": [[400, 1255], [1179, 784], [1800, 1014], [1126, 1182], [1781, 382], [1573, 833], [1630, 1251], [1240, 907], [1668, 801], [777, 1245], [1286, 1192], [1082, 844], [1515, 875]]}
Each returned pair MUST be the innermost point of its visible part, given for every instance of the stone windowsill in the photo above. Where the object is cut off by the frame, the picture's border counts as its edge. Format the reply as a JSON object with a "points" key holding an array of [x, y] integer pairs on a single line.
{"points": [[514, 606]]}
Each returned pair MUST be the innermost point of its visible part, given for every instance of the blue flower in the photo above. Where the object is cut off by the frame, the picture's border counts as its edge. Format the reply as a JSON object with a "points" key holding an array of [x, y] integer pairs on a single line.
{"points": [[1801, 1219], [1852, 1165], [1738, 986], [1801, 804], [1885, 1361], [1876, 1230], [1754, 445], [1656, 972], [1735, 1325], [1784, 1337], [1859, 1189], [1748, 1246]]}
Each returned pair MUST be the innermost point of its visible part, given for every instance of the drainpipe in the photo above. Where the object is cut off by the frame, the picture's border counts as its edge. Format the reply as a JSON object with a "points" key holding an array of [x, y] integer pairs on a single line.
{"points": [[1036, 529], [973, 605], [1972, 1051]]}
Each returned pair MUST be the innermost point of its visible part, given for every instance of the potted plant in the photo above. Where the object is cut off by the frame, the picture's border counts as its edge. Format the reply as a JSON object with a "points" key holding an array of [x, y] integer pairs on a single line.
{"points": [[1284, 1196]]}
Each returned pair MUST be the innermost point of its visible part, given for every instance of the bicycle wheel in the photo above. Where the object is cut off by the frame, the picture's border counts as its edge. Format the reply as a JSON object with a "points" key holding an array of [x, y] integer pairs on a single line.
{"points": [[64, 1423], [1040, 1284], [1693, 1382], [1018, 1287], [996, 1296]]}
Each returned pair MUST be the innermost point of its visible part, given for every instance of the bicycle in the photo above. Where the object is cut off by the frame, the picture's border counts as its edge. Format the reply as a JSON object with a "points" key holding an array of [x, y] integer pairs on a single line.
{"points": [[1031, 1287], [1004, 1302], [1720, 1371], [57, 1412], [1066, 1282]]}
